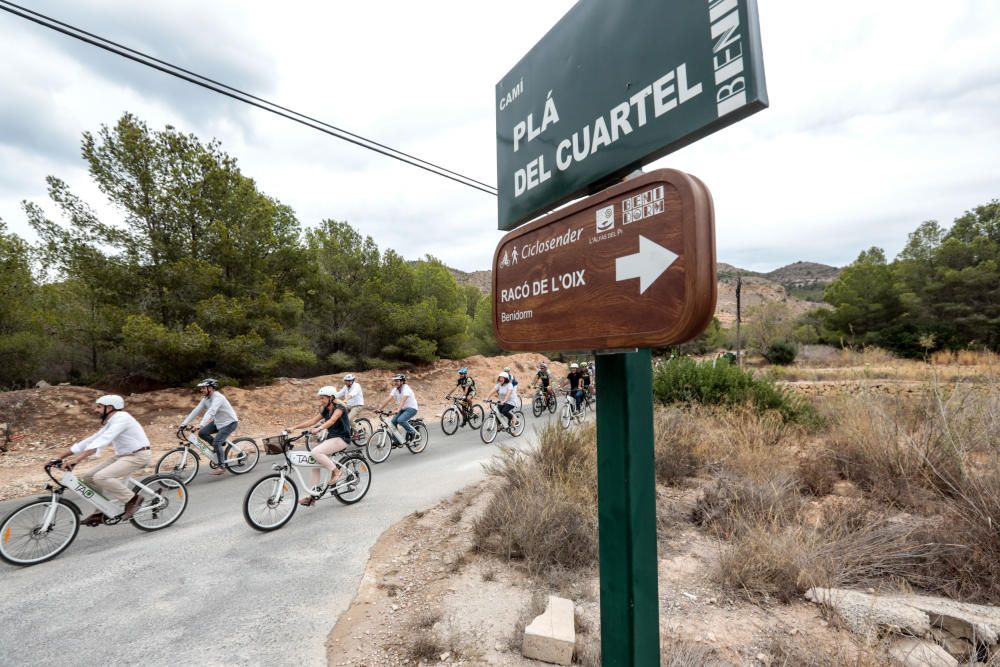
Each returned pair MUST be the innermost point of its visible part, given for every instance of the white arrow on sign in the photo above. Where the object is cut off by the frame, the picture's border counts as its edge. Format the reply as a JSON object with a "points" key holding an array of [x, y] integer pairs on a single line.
{"points": [[647, 265]]}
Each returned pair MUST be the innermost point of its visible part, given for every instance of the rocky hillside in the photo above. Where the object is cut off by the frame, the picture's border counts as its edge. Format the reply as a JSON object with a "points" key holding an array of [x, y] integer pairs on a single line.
{"points": [[799, 285]]}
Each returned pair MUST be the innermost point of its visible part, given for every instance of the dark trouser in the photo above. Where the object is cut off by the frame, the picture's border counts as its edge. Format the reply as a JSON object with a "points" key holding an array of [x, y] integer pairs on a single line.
{"points": [[505, 410], [219, 441], [578, 397]]}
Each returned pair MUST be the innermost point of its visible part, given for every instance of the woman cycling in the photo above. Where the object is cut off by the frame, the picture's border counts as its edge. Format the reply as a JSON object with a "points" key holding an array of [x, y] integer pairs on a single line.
{"points": [[335, 427]]}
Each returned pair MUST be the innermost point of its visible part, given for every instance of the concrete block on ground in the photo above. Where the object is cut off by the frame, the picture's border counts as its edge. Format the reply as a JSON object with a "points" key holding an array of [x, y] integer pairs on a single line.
{"points": [[551, 637], [911, 652]]}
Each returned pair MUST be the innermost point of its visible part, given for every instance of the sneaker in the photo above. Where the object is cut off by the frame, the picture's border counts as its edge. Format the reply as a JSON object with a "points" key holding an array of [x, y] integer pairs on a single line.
{"points": [[131, 506]]}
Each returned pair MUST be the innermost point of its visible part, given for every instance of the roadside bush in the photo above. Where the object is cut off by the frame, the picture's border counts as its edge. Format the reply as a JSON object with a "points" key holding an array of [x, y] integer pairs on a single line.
{"points": [[683, 380], [734, 504], [782, 352], [544, 512], [675, 442], [340, 361]]}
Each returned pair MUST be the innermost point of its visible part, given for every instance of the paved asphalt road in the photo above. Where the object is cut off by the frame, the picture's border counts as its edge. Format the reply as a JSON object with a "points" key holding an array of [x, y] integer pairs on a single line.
{"points": [[210, 590]]}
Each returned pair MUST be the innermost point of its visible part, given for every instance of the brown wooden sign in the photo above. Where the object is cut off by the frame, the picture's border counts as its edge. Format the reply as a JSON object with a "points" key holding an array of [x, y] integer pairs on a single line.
{"points": [[631, 266]]}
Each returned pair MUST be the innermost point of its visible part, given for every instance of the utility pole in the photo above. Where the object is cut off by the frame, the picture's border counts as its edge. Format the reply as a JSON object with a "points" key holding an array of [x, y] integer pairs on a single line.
{"points": [[739, 287]]}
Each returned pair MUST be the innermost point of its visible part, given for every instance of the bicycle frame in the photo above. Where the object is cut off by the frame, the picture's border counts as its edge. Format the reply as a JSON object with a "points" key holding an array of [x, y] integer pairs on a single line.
{"points": [[393, 431], [107, 506], [193, 442], [298, 460]]}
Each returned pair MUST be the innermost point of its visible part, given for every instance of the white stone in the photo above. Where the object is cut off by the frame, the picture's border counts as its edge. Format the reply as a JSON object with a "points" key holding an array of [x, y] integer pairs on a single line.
{"points": [[910, 652], [551, 637]]}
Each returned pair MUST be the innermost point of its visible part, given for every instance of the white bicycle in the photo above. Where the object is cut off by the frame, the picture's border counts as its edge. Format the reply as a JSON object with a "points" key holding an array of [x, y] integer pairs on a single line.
{"points": [[271, 502], [43, 528], [491, 424], [387, 438], [242, 455], [568, 414]]}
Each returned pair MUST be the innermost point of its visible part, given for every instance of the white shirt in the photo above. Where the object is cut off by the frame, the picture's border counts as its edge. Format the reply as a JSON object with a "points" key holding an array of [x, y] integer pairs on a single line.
{"points": [[404, 397], [353, 396], [506, 393], [217, 408], [121, 430]]}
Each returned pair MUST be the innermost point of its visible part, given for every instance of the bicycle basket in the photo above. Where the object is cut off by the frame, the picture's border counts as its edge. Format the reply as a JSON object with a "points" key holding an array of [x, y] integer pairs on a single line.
{"points": [[276, 444]]}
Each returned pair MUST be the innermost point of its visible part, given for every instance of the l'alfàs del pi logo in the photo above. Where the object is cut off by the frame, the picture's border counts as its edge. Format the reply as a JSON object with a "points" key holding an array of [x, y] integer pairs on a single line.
{"points": [[605, 219]]}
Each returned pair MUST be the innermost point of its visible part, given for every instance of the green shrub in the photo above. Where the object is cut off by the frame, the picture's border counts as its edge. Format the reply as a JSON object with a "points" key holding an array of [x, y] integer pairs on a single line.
{"points": [[683, 380], [340, 361], [782, 352]]}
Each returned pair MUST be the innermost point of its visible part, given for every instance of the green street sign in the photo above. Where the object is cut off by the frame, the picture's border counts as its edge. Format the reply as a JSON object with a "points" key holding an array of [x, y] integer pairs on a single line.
{"points": [[615, 85]]}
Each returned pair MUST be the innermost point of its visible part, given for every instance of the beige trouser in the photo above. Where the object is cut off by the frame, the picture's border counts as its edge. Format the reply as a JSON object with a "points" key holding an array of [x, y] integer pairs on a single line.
{"points": [[321, 453], [109, 477], [354, 411]]}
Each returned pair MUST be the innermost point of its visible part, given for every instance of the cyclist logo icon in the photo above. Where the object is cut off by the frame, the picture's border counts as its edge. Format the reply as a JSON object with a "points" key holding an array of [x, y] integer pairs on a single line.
{"points": [[505, 262]]}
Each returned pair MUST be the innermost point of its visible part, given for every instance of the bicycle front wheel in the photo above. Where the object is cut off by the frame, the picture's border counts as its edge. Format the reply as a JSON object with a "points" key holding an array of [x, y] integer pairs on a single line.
{"points": [[450, 420], [476, 416], [516, 423], [566, 416], [165, 507], [22, 540], [270, 503], [538, 406], [242, 455], [181, 462], [553, 405], [378, 446], [362, 431], [355, 481], [419, 442], [489, 430]]}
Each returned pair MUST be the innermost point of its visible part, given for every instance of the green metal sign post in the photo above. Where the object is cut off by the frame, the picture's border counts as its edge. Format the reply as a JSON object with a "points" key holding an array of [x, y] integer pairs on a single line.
{"points": [[626, 507]]}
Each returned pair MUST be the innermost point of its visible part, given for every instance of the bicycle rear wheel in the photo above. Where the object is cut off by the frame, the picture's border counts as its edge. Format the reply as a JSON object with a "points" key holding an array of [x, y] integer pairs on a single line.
{"points": [[419, 442], [516, 423], [165, 507], [246, 452], [362, 431], [450, 420], [22, 542], [476, 416], [270, 503], [356, 480], [553, 405], [181, 462]]}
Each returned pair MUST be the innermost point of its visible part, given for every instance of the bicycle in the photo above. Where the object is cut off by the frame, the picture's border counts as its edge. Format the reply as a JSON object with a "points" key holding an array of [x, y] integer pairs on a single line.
{"points": [[272, 500], [43, 528], [568, 414], [460, 415], [242, 455], [387, 438], [544, 400], [492, 423]]}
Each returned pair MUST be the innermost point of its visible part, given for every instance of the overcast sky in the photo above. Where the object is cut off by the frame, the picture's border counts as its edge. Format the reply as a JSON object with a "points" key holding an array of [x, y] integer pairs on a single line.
{"points": [[883, 114]]}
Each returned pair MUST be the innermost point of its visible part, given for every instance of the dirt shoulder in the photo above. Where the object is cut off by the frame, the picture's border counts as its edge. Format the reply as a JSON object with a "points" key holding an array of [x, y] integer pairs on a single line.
{"points": [[47, 421], [427, 597]]}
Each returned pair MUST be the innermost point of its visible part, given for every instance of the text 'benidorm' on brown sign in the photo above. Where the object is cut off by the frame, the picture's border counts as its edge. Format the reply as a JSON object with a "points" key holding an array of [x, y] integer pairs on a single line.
{"points": [[631, 266]]}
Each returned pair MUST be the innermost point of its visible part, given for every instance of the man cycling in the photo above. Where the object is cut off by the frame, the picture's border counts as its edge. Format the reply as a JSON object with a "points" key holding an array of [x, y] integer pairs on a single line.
{"points": [[334, 428], [575, 379], [586, 379], [506, 395], [406, 402], [120, 430], [352, 396], [219, 420], [468, 387], [542, 377]]}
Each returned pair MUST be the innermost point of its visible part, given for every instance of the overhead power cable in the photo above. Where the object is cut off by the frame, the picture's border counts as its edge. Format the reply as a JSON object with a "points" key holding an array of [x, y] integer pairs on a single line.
{"points": [[240, 95]]}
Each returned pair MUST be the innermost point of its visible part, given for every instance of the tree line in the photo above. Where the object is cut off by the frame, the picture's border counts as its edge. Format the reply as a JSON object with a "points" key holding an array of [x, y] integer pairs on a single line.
{"points": [[205, 274]]}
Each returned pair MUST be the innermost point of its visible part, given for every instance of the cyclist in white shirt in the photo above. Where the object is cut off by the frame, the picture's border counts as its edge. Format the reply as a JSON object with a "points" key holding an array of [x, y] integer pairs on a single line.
{"points": [[126, 436], [352, 395], [218, 423], [506, 395], [406, 400]]}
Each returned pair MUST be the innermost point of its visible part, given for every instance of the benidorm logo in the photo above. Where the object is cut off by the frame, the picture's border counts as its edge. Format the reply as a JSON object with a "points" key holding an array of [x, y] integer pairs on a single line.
{"points": [[605, 219]]}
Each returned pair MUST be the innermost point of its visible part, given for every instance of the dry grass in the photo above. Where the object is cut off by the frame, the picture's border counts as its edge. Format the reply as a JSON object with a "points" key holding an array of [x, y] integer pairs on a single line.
{"points": [[677, 435], [786, 651], [545, 510]]}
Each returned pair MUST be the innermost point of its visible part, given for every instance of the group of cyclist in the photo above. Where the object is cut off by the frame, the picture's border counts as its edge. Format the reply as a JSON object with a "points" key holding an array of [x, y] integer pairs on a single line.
{"points": [[337, 409]]}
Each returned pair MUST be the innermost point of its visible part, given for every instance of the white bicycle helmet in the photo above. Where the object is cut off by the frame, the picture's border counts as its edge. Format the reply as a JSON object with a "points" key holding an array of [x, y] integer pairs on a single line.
{"points": [[349, 378], [503, 376], [400, 377], [327, 391], [209, 382], [112, 401], [574, 365]]}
